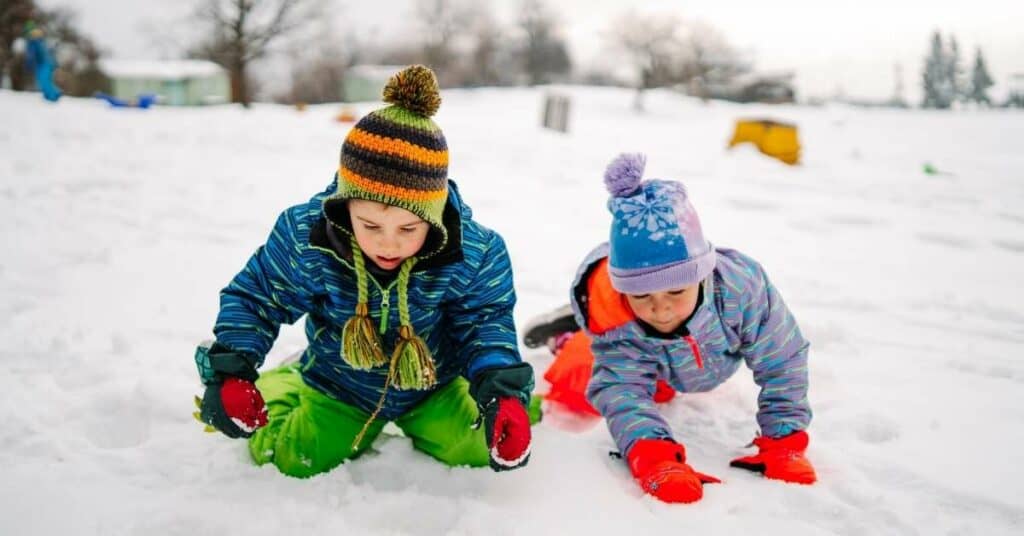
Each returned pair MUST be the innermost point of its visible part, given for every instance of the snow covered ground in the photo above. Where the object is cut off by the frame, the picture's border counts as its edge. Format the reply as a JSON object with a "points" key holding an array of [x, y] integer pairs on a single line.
{"points": [[119, 228]]}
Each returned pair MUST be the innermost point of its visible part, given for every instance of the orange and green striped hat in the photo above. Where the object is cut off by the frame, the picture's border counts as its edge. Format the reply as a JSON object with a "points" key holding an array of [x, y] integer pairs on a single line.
{"points": [[397, 155]]}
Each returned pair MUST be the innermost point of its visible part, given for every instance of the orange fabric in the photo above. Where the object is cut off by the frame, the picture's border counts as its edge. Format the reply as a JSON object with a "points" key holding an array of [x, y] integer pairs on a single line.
{"points": [[607, 309], [569, 374], [391, 190], [397, 147]]}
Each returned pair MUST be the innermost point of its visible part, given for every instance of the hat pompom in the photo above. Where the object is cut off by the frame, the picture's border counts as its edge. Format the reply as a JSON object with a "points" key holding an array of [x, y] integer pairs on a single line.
{"points": [[415, 89], [622, 177]]}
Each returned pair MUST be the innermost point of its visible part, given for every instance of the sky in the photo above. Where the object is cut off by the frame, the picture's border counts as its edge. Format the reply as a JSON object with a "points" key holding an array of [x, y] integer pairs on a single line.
{"points": [[850, 48]]}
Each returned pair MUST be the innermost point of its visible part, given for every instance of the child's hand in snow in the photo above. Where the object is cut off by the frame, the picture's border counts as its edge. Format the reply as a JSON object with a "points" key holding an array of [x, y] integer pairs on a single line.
{"points": [[235, 407], [231, 403], [501, 394], [782, 459], [659, 465]]}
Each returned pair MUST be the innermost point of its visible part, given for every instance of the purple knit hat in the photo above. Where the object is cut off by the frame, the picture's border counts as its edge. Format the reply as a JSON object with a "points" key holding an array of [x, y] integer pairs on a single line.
{"points": [[656, 241]]}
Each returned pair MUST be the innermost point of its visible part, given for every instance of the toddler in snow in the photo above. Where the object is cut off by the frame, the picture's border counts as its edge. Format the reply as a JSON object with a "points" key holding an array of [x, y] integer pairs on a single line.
{"points": [[408, 305], [661, 311]]}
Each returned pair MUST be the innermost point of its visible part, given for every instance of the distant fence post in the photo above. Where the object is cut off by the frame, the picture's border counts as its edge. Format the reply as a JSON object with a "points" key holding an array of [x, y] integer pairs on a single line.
{"points": [[556, 112]]}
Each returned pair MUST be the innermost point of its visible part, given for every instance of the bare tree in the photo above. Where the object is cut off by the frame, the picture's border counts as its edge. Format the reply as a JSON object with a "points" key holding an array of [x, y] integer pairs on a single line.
{"points": [[487, 55], [545, 53], [443, 22], [713, 59], [78, 56], [655, 47], [239, 32], [712, 51], [318, 64]]}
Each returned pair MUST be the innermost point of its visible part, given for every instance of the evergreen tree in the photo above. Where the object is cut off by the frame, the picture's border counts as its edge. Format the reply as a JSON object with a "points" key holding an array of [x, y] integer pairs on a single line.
{"points": [[980, 80], [936, 80], [956, 72]]}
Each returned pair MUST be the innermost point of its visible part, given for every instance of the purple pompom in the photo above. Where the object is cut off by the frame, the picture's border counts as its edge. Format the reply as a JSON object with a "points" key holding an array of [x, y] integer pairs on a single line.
{"points": [[622, 177]]}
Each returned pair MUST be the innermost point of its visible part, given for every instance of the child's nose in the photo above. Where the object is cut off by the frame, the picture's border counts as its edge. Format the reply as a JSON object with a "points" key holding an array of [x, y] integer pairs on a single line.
{"points": [[389, 243], [662, 306]]}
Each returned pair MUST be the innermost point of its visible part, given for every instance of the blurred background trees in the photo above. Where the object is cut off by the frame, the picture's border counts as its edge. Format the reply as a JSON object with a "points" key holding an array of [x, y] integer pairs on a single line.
{"points": [[945, 82], [239, 32], [77, 55], [299, 51], [543, 52]]}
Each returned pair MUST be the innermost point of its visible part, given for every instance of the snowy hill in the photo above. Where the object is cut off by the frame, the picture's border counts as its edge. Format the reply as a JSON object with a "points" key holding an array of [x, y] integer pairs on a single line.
{"points": [[121, 226]]}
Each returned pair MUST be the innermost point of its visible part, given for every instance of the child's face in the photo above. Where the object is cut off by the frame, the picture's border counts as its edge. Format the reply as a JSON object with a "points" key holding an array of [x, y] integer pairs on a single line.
{"points": [[667, 309], [387, 234]]}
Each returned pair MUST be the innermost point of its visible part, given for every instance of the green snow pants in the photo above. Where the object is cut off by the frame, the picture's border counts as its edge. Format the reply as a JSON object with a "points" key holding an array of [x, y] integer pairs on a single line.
{"points": [[309, 432]]}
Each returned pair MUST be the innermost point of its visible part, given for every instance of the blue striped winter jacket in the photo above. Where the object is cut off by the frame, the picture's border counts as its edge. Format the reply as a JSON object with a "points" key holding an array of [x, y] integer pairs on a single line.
{"points": [[460, 303], [742, 318]]}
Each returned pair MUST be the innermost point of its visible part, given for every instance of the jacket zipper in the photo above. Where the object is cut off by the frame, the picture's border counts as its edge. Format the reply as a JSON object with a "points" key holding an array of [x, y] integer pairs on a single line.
{"points": [[385, 300], [385, 308], [695, 348]]}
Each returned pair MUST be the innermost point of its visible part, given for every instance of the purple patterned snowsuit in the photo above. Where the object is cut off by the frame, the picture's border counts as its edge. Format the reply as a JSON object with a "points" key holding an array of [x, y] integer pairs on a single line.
{"points": [[742, 318]]}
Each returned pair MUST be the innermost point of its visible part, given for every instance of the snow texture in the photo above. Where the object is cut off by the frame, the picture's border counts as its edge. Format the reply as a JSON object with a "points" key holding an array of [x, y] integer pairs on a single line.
{"points": [[120, 226]]}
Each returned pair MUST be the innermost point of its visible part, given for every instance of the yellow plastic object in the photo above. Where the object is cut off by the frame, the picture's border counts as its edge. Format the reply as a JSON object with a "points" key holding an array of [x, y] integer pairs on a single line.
{"points": [[772, 138]]}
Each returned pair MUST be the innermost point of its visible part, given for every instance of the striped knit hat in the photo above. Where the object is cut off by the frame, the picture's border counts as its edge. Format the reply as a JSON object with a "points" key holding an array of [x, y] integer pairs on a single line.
{"points": [[397, 155]]}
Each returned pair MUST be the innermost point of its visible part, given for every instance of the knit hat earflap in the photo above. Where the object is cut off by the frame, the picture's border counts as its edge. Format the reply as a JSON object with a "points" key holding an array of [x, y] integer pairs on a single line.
{"points": [[411, 365], [656, 241]]}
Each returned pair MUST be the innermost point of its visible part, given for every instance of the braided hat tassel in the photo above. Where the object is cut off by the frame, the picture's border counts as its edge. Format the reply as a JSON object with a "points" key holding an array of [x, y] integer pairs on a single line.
{"points": [[413, 365], [360, 344]]}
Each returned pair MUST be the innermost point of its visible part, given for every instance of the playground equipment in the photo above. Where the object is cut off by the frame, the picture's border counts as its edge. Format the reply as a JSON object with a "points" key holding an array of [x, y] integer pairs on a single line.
{"points": [[773, 138]]}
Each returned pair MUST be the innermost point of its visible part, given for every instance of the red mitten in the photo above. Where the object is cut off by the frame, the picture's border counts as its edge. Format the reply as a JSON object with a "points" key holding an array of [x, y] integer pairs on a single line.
{"points": [[243, 402], [235, 407], [782, 459], [507, 426], [663, 392], [501, 394], [659, 465]]}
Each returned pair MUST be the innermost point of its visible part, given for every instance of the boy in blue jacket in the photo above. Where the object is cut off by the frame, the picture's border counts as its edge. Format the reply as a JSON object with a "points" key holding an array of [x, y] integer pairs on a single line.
{"points": [[408, 306]]}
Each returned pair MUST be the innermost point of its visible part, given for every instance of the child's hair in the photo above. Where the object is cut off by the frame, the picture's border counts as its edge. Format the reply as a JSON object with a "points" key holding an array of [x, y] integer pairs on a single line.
{"points": [[656, 242]]}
